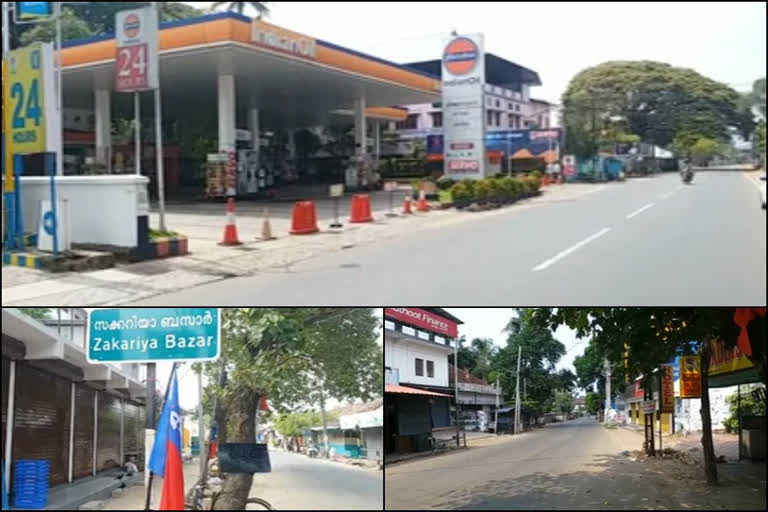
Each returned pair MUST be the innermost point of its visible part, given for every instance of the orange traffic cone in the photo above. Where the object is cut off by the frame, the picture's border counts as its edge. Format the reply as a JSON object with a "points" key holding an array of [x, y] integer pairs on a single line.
{"points": [[230, 230], [361, 209], [422, 205], [304, 219], [407, 205], [266, 227]]}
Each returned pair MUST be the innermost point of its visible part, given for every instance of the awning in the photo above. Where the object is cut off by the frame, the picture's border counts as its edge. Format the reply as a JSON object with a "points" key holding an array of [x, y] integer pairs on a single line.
{"points": [[395, 388]]}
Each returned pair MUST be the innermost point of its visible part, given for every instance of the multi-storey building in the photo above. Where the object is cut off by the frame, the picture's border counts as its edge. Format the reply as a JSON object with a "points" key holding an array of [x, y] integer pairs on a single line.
{"points": [[417, 392]]}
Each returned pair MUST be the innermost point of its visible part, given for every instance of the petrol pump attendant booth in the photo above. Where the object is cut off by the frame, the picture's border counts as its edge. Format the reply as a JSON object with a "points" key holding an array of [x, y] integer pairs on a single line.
{"points": [[224, 71]]}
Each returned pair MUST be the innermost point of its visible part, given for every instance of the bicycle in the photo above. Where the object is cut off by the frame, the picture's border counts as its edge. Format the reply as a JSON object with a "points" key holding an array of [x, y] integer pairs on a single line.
{"points": [[199, 496]]}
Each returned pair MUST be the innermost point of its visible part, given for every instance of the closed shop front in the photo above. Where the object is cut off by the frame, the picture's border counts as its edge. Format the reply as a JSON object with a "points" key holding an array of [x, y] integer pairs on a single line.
{"points": [[41, 419], [134, 430], [6, 369], [374, 442], [108, 438], [83, 463]]}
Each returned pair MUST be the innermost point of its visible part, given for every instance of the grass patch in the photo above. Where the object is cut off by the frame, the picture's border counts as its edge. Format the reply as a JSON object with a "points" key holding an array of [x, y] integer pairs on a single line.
{"points": [[154, 234]]}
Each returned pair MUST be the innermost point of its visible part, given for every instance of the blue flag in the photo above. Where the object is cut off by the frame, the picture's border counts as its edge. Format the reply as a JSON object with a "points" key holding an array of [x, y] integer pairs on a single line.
{"points": [[170, 421]]}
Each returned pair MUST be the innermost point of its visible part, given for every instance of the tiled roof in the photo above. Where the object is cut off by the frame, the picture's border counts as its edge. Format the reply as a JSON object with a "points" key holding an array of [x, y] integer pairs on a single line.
{"points": [[465, 376], [396, 388]]}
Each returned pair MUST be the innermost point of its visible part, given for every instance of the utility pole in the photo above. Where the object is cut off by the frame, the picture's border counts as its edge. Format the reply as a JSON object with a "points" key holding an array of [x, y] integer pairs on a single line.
{"points": [[325, 421], [151, 423], [517, 391], [456, 386], [496, 415], [607, 374]]}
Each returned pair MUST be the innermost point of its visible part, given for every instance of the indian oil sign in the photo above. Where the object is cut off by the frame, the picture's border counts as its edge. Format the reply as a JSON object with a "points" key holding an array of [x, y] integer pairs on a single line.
{"points": [[142, 335]]}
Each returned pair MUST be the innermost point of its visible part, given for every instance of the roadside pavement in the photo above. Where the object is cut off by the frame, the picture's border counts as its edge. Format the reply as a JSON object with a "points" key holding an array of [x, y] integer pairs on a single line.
{"points": [[208, 262]]}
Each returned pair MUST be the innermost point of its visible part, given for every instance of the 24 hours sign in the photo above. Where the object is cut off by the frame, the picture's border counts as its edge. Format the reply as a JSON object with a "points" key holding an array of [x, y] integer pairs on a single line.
{"points": [[31, 100]]}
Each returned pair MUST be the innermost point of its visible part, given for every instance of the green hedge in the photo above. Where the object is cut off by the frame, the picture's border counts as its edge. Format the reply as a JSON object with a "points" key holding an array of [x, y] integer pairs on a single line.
{"points": [[499, 190]]}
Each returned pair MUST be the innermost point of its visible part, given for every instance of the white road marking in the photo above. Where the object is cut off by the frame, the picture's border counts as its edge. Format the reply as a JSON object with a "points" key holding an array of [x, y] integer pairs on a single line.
{"points": [[669, 193], [640, 210], [568, 251]]}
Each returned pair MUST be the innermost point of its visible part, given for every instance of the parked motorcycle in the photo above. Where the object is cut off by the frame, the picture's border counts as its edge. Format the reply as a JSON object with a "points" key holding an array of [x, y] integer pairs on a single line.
{"points": [[312, 452], [687, 176]]}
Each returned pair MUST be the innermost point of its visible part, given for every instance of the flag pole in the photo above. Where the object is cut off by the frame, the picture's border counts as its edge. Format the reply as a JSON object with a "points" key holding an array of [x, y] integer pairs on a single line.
{"points": [[146, 456]]}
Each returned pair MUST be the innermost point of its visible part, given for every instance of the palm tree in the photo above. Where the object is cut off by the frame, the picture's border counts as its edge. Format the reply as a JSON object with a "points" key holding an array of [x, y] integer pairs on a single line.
{"points": [[261, 7]]}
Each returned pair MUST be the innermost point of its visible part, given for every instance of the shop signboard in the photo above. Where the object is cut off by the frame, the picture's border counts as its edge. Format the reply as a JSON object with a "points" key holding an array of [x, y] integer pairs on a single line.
{"points": [[33, 12], [463, 73], [31, 100], [424, 319], [667, 388], [649, 406], [569, 165], [727, 360], [690, 377], [143, 335], [136, 67]]}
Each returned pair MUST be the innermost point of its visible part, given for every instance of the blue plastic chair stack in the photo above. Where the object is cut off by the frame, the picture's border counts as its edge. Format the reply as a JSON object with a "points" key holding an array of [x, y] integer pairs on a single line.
{"points": [[31, 484]]}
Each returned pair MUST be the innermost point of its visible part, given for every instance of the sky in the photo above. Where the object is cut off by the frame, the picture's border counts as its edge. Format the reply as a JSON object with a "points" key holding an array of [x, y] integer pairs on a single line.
{"points": [[725, 41], [489, 322]]}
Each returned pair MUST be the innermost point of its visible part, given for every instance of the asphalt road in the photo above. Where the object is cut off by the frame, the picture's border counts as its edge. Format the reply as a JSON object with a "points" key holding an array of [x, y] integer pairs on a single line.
{"points": [[576, 465], [300, 483], [650, 241]]}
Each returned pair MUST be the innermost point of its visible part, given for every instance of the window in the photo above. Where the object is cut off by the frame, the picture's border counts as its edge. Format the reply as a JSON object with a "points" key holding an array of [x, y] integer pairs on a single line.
{"points": [[498, 118], [498, 103], [411, 123], [511, 120], [437, 105], [419, 367], [437, 119], [430, 369], [517, 108], [511, 106], [489, 117]]}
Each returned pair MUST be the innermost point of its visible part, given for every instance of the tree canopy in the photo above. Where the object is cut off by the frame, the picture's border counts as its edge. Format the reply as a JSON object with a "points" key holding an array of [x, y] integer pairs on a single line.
{"points": [[653, 100]]}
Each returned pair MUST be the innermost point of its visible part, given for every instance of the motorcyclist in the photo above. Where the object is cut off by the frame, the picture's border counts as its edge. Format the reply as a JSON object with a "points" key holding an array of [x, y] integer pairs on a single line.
{"points": [[686, 170]]}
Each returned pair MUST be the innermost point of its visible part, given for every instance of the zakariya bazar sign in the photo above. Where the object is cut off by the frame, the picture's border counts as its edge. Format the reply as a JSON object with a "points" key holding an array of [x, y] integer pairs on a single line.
{"points": [[425, 319]]}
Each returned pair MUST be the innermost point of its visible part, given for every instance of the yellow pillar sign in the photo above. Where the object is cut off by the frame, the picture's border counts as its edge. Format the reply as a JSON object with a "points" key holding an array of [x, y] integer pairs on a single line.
{"points": [[690, 377], [7, 160]]}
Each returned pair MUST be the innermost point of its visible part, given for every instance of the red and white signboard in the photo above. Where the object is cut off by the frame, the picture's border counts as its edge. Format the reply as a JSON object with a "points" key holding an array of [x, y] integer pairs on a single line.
{"points": [[569, 165], [424, 319], [136, 67]]}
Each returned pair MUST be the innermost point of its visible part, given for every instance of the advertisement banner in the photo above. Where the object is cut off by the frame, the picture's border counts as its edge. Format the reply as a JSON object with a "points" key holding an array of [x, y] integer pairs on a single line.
{"points": [[463, 112], [667, 388], [424, 319], [690, 377], [726, 360], [34, 122], [136, 67]]}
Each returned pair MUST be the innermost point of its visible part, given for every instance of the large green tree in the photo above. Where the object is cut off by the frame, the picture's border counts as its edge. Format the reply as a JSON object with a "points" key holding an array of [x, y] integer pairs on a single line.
{"points": [[540, 353], [37, 313], [648, 337], [262, 8], [593, 402], [653, 100], [288, 354]]}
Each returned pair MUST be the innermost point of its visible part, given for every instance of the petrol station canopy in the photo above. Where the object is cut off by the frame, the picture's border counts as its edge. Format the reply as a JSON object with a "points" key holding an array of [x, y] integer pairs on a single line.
{"points": [[295, 81]]}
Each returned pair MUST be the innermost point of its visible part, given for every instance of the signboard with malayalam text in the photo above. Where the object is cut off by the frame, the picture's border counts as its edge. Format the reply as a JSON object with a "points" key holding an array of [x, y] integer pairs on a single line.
{"points": [[144, 335], [31, 100], [424, 319], [649, 406], [33, 12], [136, 34], [463, 79]]}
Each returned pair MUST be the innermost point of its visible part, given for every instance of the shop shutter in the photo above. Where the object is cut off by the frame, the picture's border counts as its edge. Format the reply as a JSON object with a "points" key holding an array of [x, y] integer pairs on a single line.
{"points": [[41, 420], [134, 430], [6, 369], [83, 464], [108, 454]]}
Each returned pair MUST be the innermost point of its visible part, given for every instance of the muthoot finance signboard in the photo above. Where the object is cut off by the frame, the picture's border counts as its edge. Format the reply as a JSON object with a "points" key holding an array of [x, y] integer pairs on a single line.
{"points": [[463, 120], [153, 334]]}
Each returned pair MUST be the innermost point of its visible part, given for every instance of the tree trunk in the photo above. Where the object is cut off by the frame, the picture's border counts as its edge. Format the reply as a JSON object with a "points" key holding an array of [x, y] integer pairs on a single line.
{"points": [[242, 423], [710, 466]]}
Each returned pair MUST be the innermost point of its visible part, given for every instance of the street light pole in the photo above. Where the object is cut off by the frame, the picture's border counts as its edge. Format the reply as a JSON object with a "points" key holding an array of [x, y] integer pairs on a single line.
{"points": [[517, 391], [496, 415]]}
